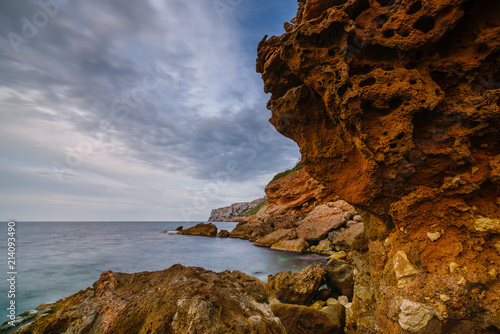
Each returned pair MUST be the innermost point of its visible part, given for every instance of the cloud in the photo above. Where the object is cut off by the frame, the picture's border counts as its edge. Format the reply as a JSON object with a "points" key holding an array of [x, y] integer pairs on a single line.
{"points": [[164, 90]]}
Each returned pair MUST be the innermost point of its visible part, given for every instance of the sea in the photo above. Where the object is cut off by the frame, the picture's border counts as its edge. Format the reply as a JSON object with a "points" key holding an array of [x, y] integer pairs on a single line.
{"points": [[57, 259]]}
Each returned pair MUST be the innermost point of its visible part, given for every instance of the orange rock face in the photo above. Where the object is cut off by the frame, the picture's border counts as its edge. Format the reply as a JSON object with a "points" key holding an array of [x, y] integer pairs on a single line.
{"points": [[395, 107]]}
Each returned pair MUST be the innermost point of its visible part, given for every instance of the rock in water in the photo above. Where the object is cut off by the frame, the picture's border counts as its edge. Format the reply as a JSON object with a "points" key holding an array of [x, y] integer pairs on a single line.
{"points": [[223, 234], [394, 105], [177, 300], [207, 230]]}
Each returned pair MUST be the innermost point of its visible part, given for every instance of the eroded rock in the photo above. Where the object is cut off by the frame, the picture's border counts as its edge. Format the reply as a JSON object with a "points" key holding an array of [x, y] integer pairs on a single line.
{"points": [[202, 229]]}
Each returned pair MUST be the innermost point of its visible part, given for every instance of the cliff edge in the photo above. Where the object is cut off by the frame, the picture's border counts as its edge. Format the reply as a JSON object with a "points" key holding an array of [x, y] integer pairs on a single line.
{"points": [[235, 210], [395, 107]]}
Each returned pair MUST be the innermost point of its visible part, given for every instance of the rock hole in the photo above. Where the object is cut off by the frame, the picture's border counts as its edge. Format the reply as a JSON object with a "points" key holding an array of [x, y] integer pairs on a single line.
{"points": [[395, 103], [482, 48], [417, 5], [366, 106], [331, 52], [385, 3], [437, 91], [382, 19], [400, 136], [389, 33], [342, 90], [393, 146], [413, 81], [405, 34], [367, 82], [419, 55], [424, 24]]}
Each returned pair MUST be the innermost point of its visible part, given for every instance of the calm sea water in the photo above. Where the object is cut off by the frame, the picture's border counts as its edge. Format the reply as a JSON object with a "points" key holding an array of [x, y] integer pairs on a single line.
{"points": [[57, 259]]}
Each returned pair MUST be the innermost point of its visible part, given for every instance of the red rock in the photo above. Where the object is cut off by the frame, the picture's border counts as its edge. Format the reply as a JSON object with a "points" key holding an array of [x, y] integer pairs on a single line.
{"points": [[394, 106], [319, 222]]}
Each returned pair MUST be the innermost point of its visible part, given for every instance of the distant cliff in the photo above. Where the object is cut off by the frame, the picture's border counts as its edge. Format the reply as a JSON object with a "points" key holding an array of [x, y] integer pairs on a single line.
{"points": [[229, 213]]}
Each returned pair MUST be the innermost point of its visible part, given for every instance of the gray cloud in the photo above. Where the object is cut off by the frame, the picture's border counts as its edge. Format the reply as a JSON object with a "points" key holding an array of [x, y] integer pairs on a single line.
{"points": [[164, 85]]}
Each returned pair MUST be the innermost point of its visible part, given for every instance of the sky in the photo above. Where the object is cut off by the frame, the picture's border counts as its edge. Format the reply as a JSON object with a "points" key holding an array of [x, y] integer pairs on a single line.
{"points": [[135, 110]]}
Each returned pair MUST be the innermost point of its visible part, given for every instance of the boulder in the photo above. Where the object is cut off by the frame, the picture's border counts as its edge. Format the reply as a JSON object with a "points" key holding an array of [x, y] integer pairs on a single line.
{"points": [[208, 230], [324, 246], [297, 288], [296, 245], [223, 234], [179, 228], [340, 276], [352, 237], [176, 300], [319, 222], [276, 236], [336, 313], [305, 320]]}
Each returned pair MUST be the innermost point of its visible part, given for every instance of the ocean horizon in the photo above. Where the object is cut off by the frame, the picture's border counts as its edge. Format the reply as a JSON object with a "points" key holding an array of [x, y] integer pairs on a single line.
{"points": [[57, 259]]}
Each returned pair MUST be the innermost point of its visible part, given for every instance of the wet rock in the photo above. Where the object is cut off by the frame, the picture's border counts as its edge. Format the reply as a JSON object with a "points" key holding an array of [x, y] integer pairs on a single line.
{"points": [[297, 288], [403, 269], [339, 276], [276, 236], [223, 234], [202, 229], [305, 320], [296, 245], [413, 316]]}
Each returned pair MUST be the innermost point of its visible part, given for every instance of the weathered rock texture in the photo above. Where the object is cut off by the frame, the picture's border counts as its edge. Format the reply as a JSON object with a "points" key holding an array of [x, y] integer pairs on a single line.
{"points": [[395, 107], [177, 300], [229, 213], [190, 300]]}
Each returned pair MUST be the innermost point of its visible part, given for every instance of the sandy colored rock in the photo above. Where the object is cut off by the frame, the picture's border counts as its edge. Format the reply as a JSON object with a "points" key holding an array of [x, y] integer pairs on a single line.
{"points": [[176, 300], [336, 313], [202, 229], [487, 225], [297, 288], [413, 316], [295, 245], [324, 247], [403, 269], [433, 236], [275, 237], [351, 236], [299, 319]]}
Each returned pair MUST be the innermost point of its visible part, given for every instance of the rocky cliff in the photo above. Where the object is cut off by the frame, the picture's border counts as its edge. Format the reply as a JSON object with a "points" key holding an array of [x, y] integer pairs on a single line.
{"points": [[395, 107], [229, 213]]}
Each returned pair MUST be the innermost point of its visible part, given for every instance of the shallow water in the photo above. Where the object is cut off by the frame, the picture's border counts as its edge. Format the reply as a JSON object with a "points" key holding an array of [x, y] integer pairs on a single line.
{"points": [[57, 259]]}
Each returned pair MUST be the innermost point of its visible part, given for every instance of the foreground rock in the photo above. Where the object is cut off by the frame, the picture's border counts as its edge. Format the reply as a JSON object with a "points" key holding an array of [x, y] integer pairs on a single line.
{"points": [[208, 230], [306, 320], [177, 300], [394, 105], [297, 288]]}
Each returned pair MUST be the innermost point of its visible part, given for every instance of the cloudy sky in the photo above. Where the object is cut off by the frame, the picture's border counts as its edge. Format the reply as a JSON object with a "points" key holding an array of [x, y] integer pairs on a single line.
{"points": [[135, 110]]}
